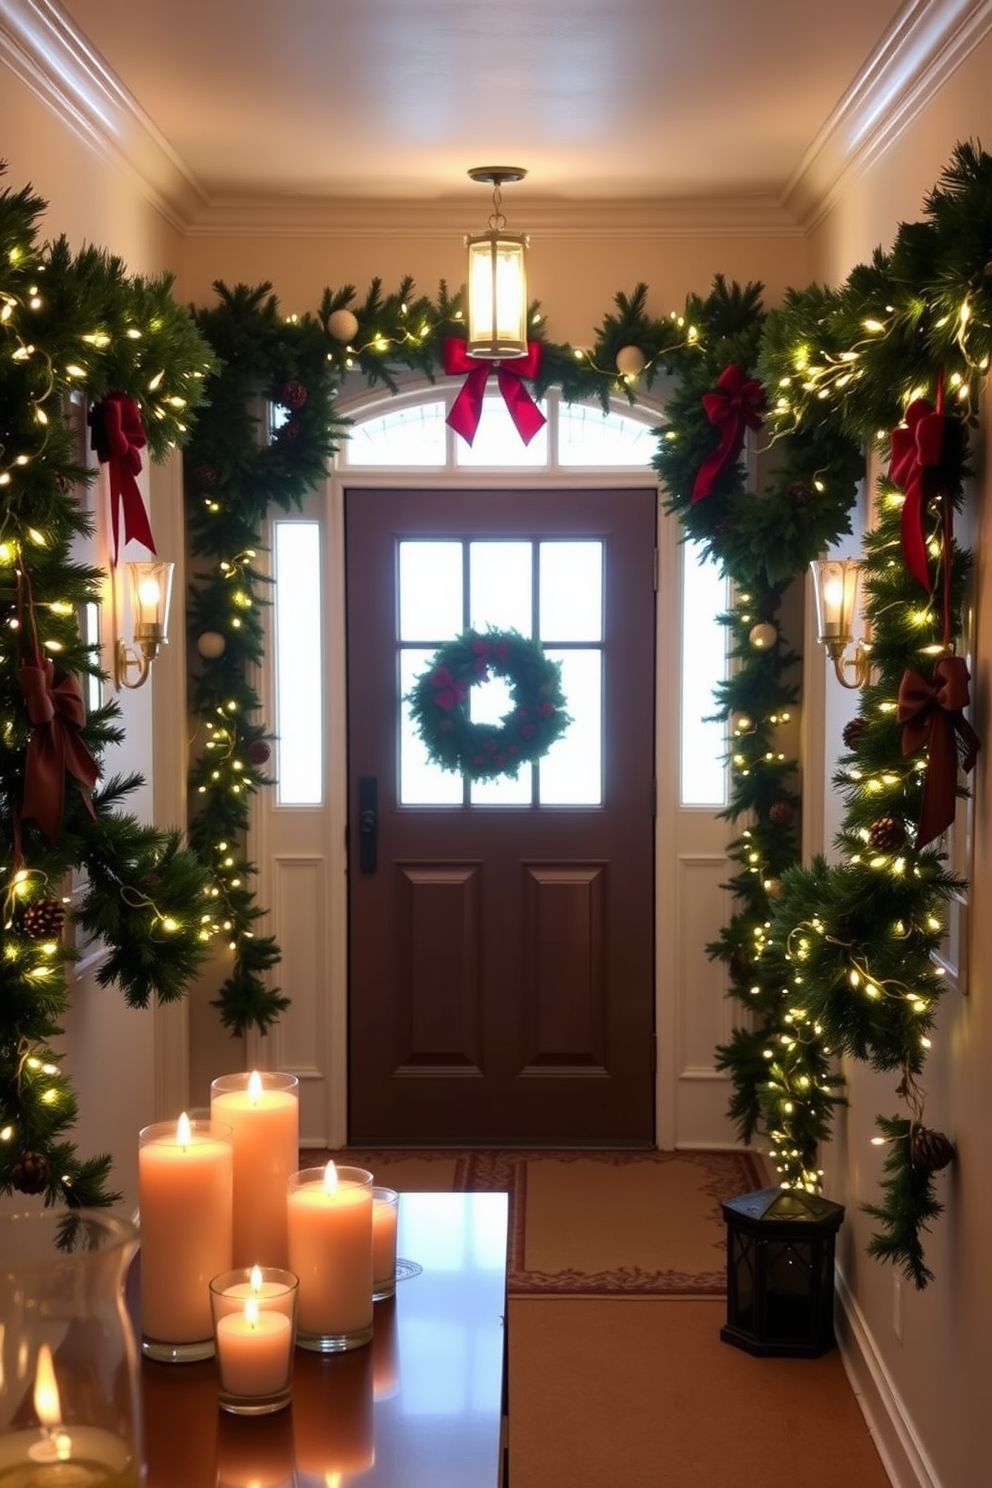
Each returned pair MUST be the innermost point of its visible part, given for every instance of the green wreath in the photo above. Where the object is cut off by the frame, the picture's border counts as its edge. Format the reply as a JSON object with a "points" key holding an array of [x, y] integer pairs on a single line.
{"points": [[482, 751]]}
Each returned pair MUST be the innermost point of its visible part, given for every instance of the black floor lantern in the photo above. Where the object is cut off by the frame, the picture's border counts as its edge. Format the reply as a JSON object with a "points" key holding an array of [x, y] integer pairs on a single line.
{"points": [[780, 1272]]}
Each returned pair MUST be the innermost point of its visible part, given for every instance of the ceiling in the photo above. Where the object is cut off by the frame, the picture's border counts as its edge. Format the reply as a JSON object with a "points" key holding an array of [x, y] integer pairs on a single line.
{"points": [[356, 101]]}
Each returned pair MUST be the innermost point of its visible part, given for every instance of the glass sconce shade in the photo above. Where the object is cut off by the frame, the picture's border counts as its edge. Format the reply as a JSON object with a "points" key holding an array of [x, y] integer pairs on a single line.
{"points": [[497, 296], [836, 582], [150, 592]]}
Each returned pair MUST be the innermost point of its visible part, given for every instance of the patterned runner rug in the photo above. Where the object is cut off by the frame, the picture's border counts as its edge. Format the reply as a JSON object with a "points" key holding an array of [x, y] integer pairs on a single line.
{"points": [[589, 1223]]}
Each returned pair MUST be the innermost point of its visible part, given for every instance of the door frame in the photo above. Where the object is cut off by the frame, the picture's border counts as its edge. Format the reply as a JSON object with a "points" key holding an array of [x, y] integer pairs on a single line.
{"points": [[330, 1079]]}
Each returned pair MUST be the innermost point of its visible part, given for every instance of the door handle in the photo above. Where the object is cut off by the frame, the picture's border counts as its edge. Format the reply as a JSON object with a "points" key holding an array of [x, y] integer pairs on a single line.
{"points": [[368, 823]]}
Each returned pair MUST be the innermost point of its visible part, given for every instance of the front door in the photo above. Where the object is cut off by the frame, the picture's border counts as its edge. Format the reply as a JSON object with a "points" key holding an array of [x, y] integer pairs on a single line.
{"points": [[501, 941]]}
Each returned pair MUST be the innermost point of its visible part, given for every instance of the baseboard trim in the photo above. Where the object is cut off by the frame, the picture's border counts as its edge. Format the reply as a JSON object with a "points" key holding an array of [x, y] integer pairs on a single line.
{"points": [[892, 1431]]}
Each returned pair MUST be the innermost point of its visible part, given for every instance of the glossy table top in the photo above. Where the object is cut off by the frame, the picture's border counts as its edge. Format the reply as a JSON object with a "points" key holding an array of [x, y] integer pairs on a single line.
{"points": [[419, 1407]]}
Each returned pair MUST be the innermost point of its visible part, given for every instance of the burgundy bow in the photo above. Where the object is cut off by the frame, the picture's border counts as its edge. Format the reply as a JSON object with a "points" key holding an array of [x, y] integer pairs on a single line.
{"points": [[466, 410], [735, 405], [56, 711], [448, 691], [914, 466], [118, 436], [486, 651], [931, 714]]}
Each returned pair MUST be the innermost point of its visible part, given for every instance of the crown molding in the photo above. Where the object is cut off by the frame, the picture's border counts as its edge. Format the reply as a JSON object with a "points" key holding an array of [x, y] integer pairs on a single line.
{"points": [[266, 217], [41, 46], [923, 48]]}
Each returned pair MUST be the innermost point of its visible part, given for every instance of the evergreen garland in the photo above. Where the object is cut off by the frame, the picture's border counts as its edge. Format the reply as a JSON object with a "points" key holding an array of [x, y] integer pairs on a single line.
{"points": [[74, 322], [783, 1082]]}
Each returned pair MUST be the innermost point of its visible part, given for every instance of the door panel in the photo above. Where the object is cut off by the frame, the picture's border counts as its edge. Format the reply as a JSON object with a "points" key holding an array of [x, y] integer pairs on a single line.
{"points": [[501, 956]]}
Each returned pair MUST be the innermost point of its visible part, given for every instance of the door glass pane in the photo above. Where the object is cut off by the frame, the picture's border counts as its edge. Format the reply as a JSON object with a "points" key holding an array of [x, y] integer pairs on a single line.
{"points": [[497, 442], [587, 436], [501, 586], [571, 773], [572, 591], [404, 436], [422, 783], [299, 668], [430, 598], [704, 663]]}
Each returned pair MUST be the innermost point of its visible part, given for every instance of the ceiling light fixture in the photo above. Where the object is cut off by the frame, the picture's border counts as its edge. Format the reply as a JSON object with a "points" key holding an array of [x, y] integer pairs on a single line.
{"points": [[497, 279]]}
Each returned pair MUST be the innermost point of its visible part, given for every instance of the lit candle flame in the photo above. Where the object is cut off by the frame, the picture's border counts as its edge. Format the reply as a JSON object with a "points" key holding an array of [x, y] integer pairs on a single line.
{"points": [[184, 1130], [46, 1391], [254, 1087], [330, 1178], [251, 1312], [255, 1278]]}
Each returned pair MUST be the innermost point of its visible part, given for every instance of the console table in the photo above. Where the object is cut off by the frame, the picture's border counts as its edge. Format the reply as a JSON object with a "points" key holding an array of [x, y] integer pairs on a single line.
{"points": [[422, 1406]]}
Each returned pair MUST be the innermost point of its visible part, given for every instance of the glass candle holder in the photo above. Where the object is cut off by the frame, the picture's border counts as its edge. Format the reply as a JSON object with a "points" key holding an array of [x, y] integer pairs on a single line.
{"points": [[263, 1111], [385, 1210], [254, 1319], [185, 1188], [69, 1383], [330, 1249]]}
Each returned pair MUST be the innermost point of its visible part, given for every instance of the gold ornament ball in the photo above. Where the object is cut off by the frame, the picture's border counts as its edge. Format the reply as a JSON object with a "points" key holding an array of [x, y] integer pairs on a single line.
{"points": [[762, 635], [774, 888], [342, 325], [211, 644], [631, 361]]}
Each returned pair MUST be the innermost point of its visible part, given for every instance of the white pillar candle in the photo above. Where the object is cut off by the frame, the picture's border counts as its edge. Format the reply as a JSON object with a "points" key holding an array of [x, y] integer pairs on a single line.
{"points": [[263, 1111], [185, 1186], [330, 1250]]}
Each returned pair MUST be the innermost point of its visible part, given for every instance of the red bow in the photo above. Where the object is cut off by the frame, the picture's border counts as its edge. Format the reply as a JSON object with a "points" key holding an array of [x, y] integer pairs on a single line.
{"points": [[54, 746], [735, 405], [914, 466], [118, 436], [466, 410], [931, 714], [448, 691], [486, 652]]}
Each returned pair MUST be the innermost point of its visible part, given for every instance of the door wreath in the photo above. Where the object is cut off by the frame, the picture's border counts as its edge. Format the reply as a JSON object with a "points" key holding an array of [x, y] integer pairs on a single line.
{"points": [[439, 704]]}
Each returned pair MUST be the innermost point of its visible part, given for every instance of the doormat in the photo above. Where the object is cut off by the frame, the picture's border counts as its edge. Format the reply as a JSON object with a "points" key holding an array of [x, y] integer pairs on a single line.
{"points": [[589, 1222]]}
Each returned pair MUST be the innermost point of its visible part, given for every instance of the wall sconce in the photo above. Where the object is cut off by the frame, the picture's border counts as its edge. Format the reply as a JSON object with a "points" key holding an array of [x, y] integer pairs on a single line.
{"points": [[497, 279], [150, 587], [836, 583]]}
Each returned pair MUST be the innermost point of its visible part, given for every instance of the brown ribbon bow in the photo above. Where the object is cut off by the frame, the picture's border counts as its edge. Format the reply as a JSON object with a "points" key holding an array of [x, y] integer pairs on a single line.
{"points": [[56, 711], [931, 716]]}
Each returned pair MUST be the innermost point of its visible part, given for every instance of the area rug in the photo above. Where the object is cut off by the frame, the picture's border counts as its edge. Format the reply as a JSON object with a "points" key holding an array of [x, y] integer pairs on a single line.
{"points": [[590, 1223]]}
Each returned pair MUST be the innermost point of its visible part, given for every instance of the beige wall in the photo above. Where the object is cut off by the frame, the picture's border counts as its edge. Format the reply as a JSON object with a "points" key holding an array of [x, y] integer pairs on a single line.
{"points": [[938, 1370]]}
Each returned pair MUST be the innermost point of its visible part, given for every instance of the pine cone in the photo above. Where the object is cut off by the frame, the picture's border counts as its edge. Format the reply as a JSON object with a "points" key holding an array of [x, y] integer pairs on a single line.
{"points": [[854, 732], [42, 919], [30, 1173], [929, 1149], [886, 835]]}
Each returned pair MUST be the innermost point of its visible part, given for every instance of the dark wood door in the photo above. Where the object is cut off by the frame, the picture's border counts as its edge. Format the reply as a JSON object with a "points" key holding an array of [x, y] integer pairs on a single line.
{"points": [[501, 985]]}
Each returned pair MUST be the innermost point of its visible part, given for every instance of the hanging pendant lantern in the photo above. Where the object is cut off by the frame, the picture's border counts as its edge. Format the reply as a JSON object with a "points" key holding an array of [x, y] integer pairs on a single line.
{"points": [[497, 279]]}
